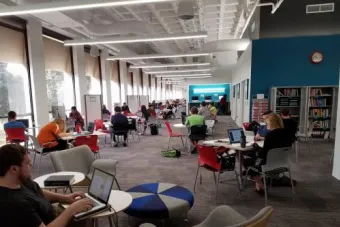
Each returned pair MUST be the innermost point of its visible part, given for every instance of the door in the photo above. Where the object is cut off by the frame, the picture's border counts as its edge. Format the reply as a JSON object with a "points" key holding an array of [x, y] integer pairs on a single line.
{"points": [[233, 103]]}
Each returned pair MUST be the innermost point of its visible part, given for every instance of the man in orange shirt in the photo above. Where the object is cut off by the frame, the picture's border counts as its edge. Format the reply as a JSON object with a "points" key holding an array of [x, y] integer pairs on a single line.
{"points": [[49, 136]]}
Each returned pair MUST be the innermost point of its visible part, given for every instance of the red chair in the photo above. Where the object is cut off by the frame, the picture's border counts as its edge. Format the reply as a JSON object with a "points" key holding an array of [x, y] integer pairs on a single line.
{"points": [[173, 135], [208, 159], [15, 135], [91, 141], [99, 126]]}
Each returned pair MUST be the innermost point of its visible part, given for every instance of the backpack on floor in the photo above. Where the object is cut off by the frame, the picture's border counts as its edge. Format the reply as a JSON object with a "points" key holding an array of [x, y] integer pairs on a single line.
{"points": [[172, 153], [153, 129]]}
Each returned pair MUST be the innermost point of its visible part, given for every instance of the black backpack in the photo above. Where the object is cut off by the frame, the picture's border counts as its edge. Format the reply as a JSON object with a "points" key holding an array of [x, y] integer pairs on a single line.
{"points": [[153, 129]]}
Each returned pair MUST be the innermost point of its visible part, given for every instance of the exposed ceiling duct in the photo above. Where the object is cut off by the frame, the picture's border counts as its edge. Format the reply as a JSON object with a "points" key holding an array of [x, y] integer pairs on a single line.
{"points": [[186, 10], [226, 45]]}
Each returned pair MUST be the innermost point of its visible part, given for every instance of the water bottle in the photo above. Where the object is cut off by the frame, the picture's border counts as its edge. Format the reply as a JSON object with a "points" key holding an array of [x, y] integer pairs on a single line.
{"points": [[243, 140]]}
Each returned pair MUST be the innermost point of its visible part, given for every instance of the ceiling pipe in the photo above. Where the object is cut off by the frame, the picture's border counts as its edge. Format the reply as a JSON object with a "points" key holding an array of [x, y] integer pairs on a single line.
{"points": [[258, 4]]}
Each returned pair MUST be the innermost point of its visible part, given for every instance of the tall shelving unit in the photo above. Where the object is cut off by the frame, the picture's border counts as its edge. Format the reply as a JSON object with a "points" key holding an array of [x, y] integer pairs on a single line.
{"points": [[259, 107], [307, 105], [322, 107]]}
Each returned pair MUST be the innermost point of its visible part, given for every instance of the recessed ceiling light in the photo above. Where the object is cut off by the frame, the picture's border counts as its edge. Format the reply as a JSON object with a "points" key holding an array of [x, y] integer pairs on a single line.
{"points": [[137, 39], [168, 65], [156, 56], [69, 5], [178, 71]]}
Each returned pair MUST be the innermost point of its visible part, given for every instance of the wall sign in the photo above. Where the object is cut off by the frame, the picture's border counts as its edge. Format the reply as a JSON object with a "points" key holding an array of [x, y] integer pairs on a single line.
{"points": [[316, 57]]}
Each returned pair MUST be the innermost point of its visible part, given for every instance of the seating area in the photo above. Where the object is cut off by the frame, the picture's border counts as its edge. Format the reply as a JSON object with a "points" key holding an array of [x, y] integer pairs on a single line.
{"points": [[142, 163]]}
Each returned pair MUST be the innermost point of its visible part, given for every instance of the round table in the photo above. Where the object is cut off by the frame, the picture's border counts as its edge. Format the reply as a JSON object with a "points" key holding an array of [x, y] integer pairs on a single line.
{"points": [[181, 126], [159, 201], [78, 177]]}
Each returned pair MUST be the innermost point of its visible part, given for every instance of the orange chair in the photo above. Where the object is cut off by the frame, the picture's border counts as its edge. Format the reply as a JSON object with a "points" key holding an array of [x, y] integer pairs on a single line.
{"points": [[91, 141], [208, 160], [173, 135], [15, 135]]}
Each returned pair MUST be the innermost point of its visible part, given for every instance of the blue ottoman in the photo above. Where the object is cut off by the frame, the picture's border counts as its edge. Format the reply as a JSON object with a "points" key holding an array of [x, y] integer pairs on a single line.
{"points": [[159, 201]]}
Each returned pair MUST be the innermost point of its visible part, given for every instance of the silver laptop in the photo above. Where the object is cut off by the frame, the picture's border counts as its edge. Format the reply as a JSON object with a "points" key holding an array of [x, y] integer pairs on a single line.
{"points": [[99, 192], [235, 135]]}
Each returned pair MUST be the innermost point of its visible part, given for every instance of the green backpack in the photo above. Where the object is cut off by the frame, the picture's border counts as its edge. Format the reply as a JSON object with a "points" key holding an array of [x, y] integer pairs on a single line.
{"points": [[172, 153]]}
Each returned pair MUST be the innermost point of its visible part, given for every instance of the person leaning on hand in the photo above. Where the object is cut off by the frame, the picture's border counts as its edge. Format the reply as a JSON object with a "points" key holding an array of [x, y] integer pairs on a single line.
{"points": [[24, 203]]}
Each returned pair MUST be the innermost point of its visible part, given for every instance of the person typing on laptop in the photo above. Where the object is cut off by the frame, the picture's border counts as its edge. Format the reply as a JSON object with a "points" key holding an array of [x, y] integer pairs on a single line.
{"points": [[24, 203]]}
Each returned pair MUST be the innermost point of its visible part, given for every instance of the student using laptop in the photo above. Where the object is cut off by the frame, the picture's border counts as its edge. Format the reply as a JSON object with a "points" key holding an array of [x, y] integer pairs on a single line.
{"points": [[12, 121], [24, 203]]}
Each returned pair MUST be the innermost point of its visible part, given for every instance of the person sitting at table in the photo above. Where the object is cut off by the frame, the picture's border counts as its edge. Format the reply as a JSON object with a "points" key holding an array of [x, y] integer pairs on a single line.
{"points": [[276, 137], [289, 124], [24, 203], [105, 111], [75, 115], [213, 110], [125, 109], [168, 113], [145, 115], [120, 125], [262, 131], [204, 111], [152, 111], [50, 135], [194, 120], [12, 121]]}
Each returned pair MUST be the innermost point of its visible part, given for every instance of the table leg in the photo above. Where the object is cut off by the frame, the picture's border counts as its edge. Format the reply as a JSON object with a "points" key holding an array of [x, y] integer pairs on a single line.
{"points": [[240, 168]]}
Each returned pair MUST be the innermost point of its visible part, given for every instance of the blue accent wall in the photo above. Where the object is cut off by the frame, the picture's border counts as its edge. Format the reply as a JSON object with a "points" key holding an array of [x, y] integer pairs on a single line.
{"points": [[214, 95], [286, 62]]}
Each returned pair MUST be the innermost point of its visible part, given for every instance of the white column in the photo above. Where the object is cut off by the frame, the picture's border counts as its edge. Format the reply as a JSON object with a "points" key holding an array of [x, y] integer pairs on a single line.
{"points": [[37, 72], [159, 91], [106, 70], [140, 83], [79, 76], [336, 158], [123, 81], [153, 88], [136, 81], [145, 84]]}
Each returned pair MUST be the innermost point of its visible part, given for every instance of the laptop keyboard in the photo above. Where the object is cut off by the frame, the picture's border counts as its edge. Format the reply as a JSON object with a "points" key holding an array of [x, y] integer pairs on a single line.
{"points": [[96, 205]]}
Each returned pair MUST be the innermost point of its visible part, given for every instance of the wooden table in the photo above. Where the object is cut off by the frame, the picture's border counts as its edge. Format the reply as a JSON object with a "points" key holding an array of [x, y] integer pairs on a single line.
{"points": [[79, 177]]}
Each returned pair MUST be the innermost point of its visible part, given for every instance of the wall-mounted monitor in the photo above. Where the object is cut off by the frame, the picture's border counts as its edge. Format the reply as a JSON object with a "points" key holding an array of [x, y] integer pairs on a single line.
{"points": [[195, 98], [208, 98]]}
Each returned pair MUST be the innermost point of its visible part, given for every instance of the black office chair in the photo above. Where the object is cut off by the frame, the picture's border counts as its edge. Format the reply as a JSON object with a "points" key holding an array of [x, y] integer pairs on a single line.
{"points": [[198, 132]]}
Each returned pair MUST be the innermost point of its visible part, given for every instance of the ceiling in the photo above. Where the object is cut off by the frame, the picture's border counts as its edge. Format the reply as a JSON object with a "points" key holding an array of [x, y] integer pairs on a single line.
{"points": [[222, 19]]}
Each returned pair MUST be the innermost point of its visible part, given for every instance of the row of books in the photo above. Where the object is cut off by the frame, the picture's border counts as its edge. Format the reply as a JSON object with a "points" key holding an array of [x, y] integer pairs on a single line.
{"points": [[284, 101], [318, 102], [288, 92], [317, 92], [320, 113], [322, 124]]}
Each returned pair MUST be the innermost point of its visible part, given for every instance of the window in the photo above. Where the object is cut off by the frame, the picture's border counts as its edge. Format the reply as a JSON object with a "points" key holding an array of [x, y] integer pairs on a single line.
{"points": [[92, 71], [115, 86], [14, 79], [58, 74]]}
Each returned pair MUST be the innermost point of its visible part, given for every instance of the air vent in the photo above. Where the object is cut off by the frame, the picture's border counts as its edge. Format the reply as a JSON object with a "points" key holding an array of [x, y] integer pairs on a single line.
{"points": [[320, 8]]}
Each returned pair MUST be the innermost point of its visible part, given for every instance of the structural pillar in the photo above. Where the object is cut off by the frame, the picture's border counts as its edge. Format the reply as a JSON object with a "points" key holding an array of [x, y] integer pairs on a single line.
{"points": [[106, 71], [336, 155], [123, 80], [35, 47], [79, 76]]}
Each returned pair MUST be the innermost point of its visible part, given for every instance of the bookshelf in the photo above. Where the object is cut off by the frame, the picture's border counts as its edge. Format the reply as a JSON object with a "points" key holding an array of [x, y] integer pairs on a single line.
{"points": [[259, 107], [322, 108]]}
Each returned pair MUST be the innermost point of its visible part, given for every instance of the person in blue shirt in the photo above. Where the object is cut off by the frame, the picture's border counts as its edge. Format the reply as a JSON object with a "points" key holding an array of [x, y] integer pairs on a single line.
{"points": [[12, 121], [263, 130]]}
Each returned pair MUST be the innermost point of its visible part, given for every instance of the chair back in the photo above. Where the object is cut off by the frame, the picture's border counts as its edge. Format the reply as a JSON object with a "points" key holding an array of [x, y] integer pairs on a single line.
{"points": [[35, 143], [208, 157], [90, 140], [277, 158], [77, 159], [261, 219], [15, 135], [198, 132], [99, 124], [210, 123], [132, 124], [168, 127]]}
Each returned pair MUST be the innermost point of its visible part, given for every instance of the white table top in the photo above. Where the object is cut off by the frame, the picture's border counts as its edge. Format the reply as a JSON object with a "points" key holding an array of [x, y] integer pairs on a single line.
{"points": [[179, 126], [119, 201], [235, 146], [79, 177], [133, 117], [75, 135]]}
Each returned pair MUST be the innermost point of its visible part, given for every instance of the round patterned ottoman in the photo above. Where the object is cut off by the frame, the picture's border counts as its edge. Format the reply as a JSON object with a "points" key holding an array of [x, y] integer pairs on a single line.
{"points": [[159, 201]]}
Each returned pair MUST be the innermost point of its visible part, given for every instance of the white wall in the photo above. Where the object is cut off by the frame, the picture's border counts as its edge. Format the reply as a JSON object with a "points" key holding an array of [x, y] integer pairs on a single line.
{"points": [[336, 159], [242, 71]]}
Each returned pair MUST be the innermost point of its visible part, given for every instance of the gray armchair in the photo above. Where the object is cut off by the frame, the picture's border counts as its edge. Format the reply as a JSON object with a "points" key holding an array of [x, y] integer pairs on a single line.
{"points": [[225, 216], [81, 159]]}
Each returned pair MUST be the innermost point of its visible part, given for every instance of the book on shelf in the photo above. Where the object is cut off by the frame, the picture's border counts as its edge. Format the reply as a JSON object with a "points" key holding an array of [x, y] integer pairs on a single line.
{"points": [[322, 124], [288, 92], [318, 92], [318, 102], [319, 113]]}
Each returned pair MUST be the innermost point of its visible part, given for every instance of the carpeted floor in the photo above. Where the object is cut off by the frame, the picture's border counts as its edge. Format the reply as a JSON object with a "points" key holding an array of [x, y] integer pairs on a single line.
{"points": [[318, 193]]}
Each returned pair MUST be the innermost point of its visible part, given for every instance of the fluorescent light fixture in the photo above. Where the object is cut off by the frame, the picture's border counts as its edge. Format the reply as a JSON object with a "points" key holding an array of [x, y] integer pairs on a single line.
{"points": [[198, 77], [209, 90], [156, 56], [178, 71], [167, 65], [54, 39], [184, 75], [137, 39], [69, 5]]}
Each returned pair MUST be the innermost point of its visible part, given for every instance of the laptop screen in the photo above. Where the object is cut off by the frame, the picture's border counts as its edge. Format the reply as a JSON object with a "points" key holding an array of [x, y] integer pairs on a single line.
{"points": [[24, 121], [101, 185], [235, 135]]}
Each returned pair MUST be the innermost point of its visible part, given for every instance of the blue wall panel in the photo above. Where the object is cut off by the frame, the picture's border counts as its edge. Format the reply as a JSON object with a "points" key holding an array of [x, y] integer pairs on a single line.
{"points": [[214, 95]]}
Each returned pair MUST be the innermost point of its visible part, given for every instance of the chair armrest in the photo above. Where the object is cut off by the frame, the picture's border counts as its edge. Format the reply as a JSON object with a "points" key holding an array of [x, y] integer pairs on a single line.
{"points": [[107, 165]]}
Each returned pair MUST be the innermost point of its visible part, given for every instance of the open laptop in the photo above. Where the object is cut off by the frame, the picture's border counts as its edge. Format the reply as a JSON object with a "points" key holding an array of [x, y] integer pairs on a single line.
{"points": [[99, 193], [235, 135], [24, 121]]}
